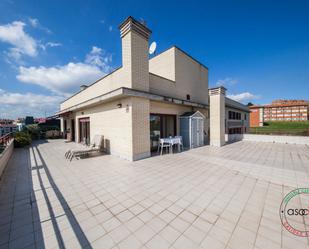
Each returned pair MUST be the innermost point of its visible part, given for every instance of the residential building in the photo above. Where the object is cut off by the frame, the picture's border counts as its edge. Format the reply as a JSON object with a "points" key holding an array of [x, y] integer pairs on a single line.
{"points": [[143, 100], [39, 120], [236, 117], [29, 120], [279, 110], [7, 126], [6, 121], [20, 122]]}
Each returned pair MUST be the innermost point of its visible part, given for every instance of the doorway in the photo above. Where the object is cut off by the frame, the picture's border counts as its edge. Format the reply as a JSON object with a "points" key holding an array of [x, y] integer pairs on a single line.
{"points": [[84, 130], [73, 130], [65, 129], [161, 126]]}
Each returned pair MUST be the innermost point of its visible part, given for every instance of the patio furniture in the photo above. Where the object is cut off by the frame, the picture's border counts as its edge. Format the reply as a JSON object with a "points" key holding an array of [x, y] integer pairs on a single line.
{"points": [[78, 146], [179, 142], [96, 146], [164, 143], [169, 143]]}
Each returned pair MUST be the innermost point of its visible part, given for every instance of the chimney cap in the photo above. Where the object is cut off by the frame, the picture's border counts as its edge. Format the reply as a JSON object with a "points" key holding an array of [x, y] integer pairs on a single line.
{"points": [[217, 90], [83, 87], [131, 24]]}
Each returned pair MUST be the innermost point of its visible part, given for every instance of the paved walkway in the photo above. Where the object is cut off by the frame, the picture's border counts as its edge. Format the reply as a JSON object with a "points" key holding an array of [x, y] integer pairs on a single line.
{"points": [[207, 198]]}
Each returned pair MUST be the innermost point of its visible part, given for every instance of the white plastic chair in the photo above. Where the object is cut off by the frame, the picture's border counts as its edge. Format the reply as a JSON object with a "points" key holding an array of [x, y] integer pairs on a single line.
{"points": [[163, 143]]}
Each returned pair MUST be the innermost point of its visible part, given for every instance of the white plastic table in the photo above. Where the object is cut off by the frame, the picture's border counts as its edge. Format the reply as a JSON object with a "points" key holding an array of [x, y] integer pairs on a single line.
{"points": [[172, 141]]}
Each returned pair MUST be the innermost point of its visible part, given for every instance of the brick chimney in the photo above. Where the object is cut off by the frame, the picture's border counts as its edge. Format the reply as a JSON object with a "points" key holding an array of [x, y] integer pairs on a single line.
{"points": [[217, 116], [134, 39]]}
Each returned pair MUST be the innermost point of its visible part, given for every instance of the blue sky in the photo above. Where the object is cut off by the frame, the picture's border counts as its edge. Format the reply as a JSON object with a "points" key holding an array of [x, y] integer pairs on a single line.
{"points": [[258, 49]]}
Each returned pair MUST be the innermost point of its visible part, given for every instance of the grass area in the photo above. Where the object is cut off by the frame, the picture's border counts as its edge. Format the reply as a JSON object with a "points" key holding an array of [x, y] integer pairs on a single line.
{"points": [[283, 128]]}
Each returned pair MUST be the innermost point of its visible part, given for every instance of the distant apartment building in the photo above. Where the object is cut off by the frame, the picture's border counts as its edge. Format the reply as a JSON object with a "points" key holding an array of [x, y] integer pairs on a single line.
{"points": [[20, 122], [279, 110], [40, 120], [236, 117], [7, 126], [29, 120]]}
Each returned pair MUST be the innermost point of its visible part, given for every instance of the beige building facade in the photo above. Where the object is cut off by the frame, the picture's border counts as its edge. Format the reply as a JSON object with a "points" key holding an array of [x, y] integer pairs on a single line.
{"points": [[142, 100]]}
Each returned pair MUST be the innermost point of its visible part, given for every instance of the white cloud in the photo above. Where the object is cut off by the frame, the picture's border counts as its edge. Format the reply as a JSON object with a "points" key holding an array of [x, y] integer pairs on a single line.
{"points": [[228, 81], [66, 78], [243, 97], [97, 57], [21, 42], [110, 28], [34, 22], [60, 79], [53, 44], [50, 44], [13, 104]]}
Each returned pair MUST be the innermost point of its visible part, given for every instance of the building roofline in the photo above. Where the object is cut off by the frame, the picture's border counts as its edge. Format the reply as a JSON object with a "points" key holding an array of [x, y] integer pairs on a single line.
{"points": [[278, 105], [184, 52], [237, 106], [116, 69], [197, 61], [128, 92]]}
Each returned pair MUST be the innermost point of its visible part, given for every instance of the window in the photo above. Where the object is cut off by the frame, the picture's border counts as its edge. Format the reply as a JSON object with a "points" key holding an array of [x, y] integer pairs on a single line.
{"points": [[237, 130], [234, 115], [188, 97]]}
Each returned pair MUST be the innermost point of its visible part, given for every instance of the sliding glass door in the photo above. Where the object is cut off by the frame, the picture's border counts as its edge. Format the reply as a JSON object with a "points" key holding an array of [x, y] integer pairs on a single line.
{"points": [[161, 126], [84, 130]]}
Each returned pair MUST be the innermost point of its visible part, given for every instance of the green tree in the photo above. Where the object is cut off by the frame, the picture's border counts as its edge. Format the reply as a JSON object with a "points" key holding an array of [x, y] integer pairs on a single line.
{"points": [[34, 130]]}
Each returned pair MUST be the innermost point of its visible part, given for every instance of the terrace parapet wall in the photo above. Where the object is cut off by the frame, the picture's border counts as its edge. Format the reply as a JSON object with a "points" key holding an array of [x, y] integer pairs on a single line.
{"points": [[6, 155]]}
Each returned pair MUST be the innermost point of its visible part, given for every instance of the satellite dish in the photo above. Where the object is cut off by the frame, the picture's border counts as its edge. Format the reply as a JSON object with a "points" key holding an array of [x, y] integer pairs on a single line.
{"points": [[152, 48]]}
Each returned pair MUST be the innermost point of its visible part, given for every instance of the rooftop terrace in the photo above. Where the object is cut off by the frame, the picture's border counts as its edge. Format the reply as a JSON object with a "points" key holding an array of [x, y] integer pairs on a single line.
{"points": [[226, 197]]}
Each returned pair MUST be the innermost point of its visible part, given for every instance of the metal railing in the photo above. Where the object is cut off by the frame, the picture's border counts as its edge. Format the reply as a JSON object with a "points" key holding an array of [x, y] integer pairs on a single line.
{"points": [[4, 140]]}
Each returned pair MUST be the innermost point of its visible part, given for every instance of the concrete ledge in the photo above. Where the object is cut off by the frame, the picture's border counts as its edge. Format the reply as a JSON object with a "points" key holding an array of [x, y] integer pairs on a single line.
{"points": [[277, 139], [268, 138], [5, 156], [233, 137]]}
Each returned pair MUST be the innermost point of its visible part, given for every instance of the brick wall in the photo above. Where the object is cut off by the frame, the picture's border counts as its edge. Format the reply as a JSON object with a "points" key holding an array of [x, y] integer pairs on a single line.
{"points": [[254, 117]]}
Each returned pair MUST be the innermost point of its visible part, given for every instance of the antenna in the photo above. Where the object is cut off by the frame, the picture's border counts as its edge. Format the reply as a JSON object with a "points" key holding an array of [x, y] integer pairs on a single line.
{"points": [[152, 48]]}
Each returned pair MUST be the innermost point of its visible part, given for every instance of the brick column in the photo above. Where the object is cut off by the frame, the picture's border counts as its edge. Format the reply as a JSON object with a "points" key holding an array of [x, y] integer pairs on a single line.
{"points": [[217, 116], [134, 39]]}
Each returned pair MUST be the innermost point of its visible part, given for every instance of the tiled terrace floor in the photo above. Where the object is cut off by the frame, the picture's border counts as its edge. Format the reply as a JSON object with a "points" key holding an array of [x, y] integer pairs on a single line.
{"points": [[225, 197]]}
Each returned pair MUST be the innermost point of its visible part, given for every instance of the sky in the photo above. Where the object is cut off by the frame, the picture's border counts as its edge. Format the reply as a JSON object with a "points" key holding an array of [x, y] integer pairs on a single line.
{"points": [[257, 49]]}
